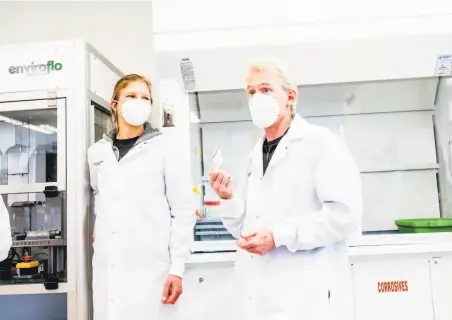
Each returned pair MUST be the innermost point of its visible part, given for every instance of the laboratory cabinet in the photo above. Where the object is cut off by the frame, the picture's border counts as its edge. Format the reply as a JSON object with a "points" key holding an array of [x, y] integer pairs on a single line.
{"points": [[387, 284], [50, 113], [415, 287]]}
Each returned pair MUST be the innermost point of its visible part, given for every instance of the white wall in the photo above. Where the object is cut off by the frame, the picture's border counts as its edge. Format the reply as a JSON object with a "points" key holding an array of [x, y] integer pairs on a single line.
{"points": [[121, 31], [262, 22], [251, 13]]}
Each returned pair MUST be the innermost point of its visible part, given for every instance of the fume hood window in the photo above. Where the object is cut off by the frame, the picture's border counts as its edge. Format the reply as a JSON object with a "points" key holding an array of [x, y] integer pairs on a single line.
{"points": [[102, 122], [28, 146], [399, 132]]}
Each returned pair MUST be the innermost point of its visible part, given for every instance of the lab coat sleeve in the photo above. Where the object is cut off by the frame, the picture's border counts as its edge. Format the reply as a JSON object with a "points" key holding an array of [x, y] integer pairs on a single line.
{"points": [[338, 186], [179, 192], [233, 211], [93, 180], [5, 231]]}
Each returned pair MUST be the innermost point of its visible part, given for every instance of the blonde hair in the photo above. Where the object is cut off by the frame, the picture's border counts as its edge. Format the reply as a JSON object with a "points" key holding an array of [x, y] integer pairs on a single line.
{"points": [[121, 85], [279, 71]]}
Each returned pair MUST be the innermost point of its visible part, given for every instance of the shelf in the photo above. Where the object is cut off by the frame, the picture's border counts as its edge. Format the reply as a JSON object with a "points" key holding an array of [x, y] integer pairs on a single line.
{"points": [[37, 288], [211, 233], [214, 246], [432, 166], [30, 188], [39, 243], [210, 226]]}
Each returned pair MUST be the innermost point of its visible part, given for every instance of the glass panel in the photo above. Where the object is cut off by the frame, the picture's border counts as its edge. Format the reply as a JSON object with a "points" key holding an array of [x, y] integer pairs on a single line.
{"points": [[443, 137], [398, 195], [28, 145], [38, 233], [102, 123], [407, 142], [34, 212], [398, 131]]}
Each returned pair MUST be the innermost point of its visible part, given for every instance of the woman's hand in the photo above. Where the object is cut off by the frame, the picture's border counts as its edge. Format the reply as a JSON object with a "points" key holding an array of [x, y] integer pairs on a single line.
{"points": [[172, 289]]}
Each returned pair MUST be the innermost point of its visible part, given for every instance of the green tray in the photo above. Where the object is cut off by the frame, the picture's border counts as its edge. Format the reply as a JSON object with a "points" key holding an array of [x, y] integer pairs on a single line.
{"points": [[424, 225]]}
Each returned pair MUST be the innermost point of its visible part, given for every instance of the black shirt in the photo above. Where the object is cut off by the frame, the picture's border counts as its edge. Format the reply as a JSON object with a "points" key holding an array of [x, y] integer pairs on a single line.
{"points": [[268, 148], [124, 145]]}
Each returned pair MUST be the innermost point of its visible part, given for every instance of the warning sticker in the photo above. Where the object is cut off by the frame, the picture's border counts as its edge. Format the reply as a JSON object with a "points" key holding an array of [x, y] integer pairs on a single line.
{"points": [[444, 65], [188, 74], [392, 286]]}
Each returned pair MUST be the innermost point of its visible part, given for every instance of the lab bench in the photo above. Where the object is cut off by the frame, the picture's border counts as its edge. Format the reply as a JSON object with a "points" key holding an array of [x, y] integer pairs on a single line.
{"points": [[395, 276]]}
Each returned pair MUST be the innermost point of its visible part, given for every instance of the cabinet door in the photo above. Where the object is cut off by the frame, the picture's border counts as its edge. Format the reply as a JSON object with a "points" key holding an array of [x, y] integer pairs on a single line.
{"points": [[441, 277], [392, 289]]}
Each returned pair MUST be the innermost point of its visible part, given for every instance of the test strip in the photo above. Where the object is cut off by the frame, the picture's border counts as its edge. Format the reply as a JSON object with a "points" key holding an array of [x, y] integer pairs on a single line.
{"points": [[217, 159]]}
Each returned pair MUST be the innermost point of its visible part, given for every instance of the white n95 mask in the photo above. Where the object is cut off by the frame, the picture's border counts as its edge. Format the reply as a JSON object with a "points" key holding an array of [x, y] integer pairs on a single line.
{"points": [[264, 110], [136, 112]]}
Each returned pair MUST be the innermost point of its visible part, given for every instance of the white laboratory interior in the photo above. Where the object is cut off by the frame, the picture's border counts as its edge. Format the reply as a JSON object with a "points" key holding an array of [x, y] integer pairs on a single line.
{"points": [[389, 98]]}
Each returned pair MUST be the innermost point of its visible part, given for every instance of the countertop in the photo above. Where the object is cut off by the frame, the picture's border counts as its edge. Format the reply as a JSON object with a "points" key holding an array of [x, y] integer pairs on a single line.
{"points": [[365, 245]]}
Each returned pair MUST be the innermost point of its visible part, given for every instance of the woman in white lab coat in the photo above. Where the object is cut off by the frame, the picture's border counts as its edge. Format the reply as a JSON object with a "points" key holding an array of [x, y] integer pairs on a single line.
{"points": [[144, 212], [300, 204], [5, 231]]}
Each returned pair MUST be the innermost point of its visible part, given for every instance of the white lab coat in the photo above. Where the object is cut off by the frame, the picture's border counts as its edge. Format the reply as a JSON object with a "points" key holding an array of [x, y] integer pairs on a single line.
{"points": [[310, 197], [144, 226], [5, 231]]}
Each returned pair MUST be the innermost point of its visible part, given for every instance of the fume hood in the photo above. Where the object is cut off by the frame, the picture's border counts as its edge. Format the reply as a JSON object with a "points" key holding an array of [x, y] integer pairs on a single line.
{"points": [[382, 96]]}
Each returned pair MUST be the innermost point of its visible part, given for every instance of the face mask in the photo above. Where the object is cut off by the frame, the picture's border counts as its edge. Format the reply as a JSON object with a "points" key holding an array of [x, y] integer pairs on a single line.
{"points": [[136, 112], [264, 110]]}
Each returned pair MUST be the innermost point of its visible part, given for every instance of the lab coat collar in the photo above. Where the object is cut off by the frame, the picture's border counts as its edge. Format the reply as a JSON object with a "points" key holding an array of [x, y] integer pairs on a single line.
{"points": [[148, 134], [298, 130]]}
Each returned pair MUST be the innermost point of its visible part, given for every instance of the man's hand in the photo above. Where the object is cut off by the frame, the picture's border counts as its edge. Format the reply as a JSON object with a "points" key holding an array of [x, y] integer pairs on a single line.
{"points": [[172, 289], [260, 242], [221, 182]]}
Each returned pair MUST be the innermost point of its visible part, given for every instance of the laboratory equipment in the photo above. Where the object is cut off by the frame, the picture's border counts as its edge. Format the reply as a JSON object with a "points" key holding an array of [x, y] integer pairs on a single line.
{"points": [[53, 106], [389, 98], [424, 225]]}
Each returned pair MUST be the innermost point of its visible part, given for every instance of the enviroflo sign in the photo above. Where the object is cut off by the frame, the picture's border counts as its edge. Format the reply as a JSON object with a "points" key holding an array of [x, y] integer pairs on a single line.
{"points": [[36, 68]]}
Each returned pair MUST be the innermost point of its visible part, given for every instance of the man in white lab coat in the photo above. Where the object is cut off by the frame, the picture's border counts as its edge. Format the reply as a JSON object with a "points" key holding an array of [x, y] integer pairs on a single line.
{"points": [[301, 201], [5, 231]]}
